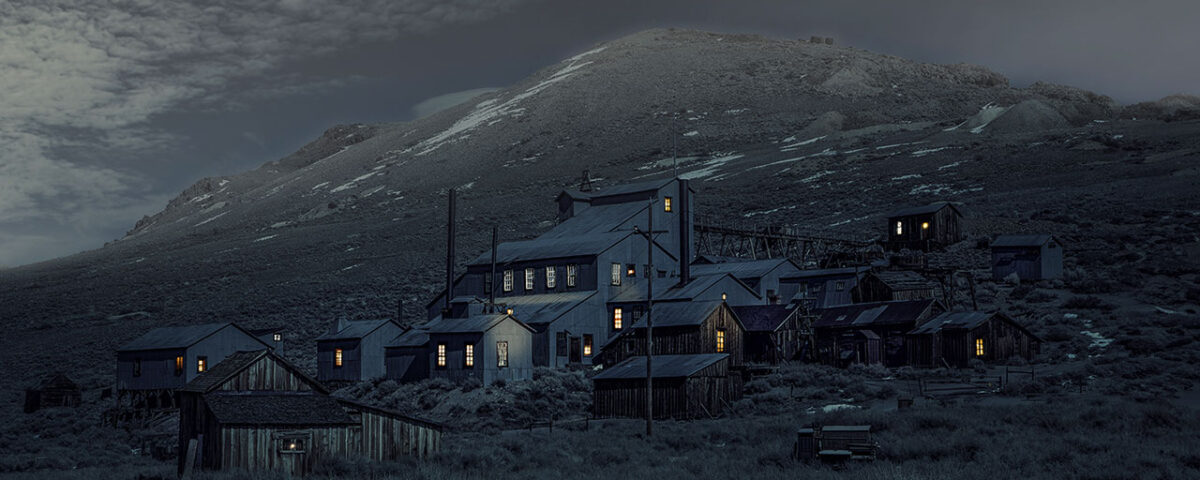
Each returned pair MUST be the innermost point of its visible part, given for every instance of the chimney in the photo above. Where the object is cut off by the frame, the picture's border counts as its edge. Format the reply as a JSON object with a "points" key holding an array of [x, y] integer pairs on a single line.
{"points": [[685, 233], [449, 256]]}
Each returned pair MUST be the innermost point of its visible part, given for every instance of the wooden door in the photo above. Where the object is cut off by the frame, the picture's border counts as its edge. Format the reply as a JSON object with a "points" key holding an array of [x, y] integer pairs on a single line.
{"points": [[576, 350]]}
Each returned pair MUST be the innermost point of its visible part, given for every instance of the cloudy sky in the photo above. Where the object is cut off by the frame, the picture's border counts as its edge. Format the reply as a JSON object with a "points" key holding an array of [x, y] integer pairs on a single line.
{"points": [[109, 109]]}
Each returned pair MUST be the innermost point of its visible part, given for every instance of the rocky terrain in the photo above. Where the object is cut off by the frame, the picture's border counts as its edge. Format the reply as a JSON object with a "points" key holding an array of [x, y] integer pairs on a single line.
{"points": [[773, 132]]}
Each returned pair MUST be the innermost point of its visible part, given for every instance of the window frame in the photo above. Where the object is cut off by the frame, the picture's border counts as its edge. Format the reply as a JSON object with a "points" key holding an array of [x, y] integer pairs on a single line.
{"points": [[300, 439], [667, 204], [469, 355], [721, 337], [618, 318], [278, 337], [587, 344], [839, 286], [899, 227], [616, 274], [979, 351], [339, 358], [572, 275], [530, 278], [508, 280], [551, 277], [502, 354], [440, 361], [201, 363], [178, 365], [631, 270]]}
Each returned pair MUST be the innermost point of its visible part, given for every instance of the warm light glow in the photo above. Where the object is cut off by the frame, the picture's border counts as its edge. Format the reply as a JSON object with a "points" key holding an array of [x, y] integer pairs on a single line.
{"points": [[667, 204], [720, 341], [978, 347], [899, 228], [723, 297], [617, 318], [337, 357], [178, 365], [278, 337], [200, 364], [630, 271], [925, 226], [587, 345], [470, 359], [441, 355], [510, 311]]}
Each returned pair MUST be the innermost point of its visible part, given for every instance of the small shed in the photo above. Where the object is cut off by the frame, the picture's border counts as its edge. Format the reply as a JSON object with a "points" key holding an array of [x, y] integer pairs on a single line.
{"points": [[926, 228], [56, 390], [407, 356], [685, 386], [682, 328], [772, 332], [1031, 257], [487, 347], [891, 285], [826, 287], [869, 332], [955, 338], [353, 350]]}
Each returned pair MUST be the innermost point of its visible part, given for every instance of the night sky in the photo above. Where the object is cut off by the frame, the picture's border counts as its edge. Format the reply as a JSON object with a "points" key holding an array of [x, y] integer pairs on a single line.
{"points": [[107, 111]]}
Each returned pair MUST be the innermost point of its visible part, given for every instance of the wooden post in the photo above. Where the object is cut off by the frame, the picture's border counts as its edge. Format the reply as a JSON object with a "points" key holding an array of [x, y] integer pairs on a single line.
{"points": [[189, 460], [649, 319]]}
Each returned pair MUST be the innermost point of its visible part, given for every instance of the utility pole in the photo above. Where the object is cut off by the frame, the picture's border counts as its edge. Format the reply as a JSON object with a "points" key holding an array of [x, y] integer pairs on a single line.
{"points": [[674, 158], [649, 319], [491, 308], [449, 255]]}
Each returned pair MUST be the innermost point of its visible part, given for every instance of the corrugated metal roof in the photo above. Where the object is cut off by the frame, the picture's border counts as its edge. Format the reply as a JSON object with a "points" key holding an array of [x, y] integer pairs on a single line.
{"points": [[871, 314], [956, 320], [1036, 240], [412, 338], [764, 318], [173, 337], [676, 314], [597, 219], [903, 280], [544, 308], [666, 290], [552, 247], [354, 329], [663, 366], [927, 209], [613, 190], [828, 272], [276, 408], [746, 269], [472, 324]]}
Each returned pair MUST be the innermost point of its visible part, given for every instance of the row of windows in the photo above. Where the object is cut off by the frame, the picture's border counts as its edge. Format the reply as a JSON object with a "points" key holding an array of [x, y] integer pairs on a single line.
{"points": [[900, 227], [201, 365], [469, 355], [551, 276]]}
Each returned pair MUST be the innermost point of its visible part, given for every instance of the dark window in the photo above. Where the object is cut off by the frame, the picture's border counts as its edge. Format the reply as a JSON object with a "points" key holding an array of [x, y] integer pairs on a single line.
{"points": [[137, 367], [508, 280], [487, 283], [501, 354], [572, 274], [560, 343], [616, 274], [840, 286], [662, 274], [529, 279]]}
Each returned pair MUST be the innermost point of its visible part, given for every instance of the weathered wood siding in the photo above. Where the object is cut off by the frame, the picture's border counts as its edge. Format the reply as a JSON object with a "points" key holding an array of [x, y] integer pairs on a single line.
{"points": [[268, 375], [158, 366], [1029, 263], [257, 448], [700, 395], [351, 369], [945, 228], [386, 437], [680, 340]]}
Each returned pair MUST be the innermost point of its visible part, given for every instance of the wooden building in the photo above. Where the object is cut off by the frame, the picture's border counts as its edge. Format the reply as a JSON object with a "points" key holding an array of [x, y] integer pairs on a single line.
{"points": [[687, 327], [407, 356], [256, 411], [889, 285], [773, 332], [770, 278], [151, 367], [826, 287], [485, 347], [955, 338], [1031, 257], [272, 336], [869, 333], [353, 350], [627, 308], [54, 391], [685, 386], [926, 228]]}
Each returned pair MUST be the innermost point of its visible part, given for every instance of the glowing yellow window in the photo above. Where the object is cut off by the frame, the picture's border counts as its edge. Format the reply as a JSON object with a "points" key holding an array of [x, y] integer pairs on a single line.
{"points": [[179, 365], [924, 225], [617, 318], [720, 341], [587, 345], [667, 204], [201, 364], [470, 359], [978, 347], [441, 355], [899, 228], [337, 357]]}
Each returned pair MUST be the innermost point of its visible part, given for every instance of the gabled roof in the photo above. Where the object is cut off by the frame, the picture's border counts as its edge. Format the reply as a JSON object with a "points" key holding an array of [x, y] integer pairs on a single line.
{"points": [[663, 366], [828, 272], [57, 381], [927, 209], [390, 413], [544, 308], [623, 189], [862, 315], [597, 219], [355, 329], [557, 247], [1021, 240], [680, 314], [179, 337], [472, 324], [903, 280], [413, 337], [765, 318], [276, 408], [666, 290], [705, 259], [745, 269], [953, 320], [258, 332], [235, 363]]}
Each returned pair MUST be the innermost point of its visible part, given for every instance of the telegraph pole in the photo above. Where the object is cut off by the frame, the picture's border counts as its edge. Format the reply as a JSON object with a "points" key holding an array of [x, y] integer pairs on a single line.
{"points": [[649, 320]]}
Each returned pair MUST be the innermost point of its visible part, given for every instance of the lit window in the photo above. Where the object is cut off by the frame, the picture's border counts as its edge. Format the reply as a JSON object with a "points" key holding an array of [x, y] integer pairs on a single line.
{"points": [[179, 365], [292, 444], [924, 225], [551, 279], [441, 355], [469, 359], [630, 270], [572, 274], [899, 228], [616, 274], [529, 279], [337, 357], [278, 337], [510, 311], [720, 341], [667, 204], [617, 318], [137, 367], [501, 354], [587, 345], [201, 364], [840, 286], [978, 347], [508, 280]]}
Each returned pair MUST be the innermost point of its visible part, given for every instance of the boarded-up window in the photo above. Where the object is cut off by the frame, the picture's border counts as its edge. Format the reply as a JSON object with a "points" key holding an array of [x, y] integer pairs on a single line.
{"points": [[529, 279], [560, 344], [587, 345], [508, 280], [337, 357], [441, 355], [616, 274], [572, 275], [551, 278], [501, 354], [617, 318], [469, 356]]}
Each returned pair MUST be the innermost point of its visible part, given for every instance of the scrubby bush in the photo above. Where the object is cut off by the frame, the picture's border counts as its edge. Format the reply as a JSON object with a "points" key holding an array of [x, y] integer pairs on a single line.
{"points": [[1089, 302]]}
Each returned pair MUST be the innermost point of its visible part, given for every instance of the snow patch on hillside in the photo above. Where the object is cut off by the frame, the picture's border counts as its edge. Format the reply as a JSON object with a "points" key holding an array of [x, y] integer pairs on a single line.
{"points": [[353, 183], [709, 167], [219, 215]]}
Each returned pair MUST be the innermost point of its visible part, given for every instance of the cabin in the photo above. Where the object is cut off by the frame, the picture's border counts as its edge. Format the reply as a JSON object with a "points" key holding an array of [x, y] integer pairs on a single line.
{"points": [[765, 277], [272, 336], [685, 387], [490, 348], [1030, 257], [826, 287], [685, 327], [926, 228], [628, 307], [407, 356], [56, 390], [953, 339], [352, 351], [151, 367], [257, 412], [869, 333], [774, 333], [887, 285]]}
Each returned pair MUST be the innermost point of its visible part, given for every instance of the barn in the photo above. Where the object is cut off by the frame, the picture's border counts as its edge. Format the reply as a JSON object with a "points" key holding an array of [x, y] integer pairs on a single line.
{"points": [[54, 391], [151, 367], [683, 328], [926, 228], [1031, 257], [256, 411], [891, 285], [353, 350], [870, 333], [685, 386], [955, 338], [773, 332]]}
